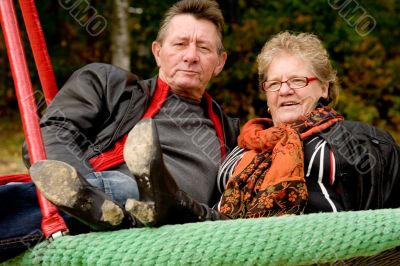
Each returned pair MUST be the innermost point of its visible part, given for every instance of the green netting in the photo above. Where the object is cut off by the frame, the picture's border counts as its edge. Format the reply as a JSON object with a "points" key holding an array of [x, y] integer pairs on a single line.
{"points": [[289, 240]]}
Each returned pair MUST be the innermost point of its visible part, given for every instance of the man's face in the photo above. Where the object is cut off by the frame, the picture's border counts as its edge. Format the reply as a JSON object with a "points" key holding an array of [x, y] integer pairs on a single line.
{"points": [[188, 57]]}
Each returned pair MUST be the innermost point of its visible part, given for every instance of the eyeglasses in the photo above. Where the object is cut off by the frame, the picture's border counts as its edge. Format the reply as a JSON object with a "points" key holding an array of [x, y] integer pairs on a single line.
{"points": [[293, 83]]}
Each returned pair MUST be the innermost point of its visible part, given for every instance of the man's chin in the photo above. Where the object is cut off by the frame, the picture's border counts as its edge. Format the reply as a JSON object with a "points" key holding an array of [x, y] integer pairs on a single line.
{"points": [[189, 85]]}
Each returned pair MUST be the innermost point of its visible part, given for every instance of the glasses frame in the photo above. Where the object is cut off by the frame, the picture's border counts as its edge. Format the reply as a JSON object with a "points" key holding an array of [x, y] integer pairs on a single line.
{"points": [[308, 80]]}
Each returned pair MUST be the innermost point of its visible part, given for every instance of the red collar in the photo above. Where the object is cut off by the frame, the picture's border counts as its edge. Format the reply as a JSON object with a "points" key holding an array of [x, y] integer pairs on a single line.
{"points": [[114, 156]]}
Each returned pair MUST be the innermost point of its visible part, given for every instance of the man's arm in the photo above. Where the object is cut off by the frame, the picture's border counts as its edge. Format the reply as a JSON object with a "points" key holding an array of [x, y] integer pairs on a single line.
{"points": [[72, 120]]}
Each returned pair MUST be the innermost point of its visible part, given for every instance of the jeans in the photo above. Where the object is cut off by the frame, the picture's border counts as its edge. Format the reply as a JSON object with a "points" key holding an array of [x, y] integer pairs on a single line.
{"points": [[20, 215]]}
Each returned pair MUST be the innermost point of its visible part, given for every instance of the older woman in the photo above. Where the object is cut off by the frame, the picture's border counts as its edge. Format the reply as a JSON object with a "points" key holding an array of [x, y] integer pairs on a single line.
{"points": [[307, 158]]}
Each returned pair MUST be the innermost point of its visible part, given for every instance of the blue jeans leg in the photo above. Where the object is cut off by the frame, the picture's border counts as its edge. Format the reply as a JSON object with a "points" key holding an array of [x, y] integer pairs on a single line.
{"points": [[20, 215], [20, 219], [117, 185]]}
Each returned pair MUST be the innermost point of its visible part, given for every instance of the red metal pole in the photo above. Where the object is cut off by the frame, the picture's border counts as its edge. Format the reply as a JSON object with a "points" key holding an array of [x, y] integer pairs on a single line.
{"points": [[52, 222], [39, 49]]}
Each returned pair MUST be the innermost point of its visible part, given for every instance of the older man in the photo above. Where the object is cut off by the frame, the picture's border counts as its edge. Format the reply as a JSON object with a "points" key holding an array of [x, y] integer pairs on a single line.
{"points": [[86, 126]]}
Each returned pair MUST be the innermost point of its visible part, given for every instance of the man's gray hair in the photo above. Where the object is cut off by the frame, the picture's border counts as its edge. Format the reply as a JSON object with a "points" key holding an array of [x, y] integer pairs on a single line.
{"points": [[200, 9]]}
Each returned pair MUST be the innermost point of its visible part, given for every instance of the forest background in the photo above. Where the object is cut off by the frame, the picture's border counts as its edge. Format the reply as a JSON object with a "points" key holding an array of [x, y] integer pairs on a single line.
{"points": [[361, 36]]}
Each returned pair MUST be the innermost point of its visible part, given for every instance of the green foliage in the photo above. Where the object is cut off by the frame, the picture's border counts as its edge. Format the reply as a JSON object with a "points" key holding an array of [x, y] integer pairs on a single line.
{"points": [[11, 138], [367, 64]]}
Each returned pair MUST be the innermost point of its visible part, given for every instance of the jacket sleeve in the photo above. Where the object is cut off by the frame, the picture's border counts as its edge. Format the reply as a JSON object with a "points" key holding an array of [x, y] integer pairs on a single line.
{"points": [[80, 110], [381, 185], [367, 164], [391, 185]]}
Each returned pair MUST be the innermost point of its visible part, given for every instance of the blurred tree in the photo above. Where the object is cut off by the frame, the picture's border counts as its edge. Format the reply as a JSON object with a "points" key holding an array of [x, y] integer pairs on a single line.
{"points": [[120, 44]]}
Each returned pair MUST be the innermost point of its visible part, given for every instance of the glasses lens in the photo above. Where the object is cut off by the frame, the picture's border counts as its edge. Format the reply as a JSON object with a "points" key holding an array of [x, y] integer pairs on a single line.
{"points": [[272, 85], [297, 83]]}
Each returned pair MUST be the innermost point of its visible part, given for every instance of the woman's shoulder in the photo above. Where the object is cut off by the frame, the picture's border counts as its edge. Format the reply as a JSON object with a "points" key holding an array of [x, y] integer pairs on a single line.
{"points": [[356, 129]]}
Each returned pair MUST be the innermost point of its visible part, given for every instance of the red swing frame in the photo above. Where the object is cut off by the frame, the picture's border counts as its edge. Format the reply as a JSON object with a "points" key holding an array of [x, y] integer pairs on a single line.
{"points": [[53, 224]]}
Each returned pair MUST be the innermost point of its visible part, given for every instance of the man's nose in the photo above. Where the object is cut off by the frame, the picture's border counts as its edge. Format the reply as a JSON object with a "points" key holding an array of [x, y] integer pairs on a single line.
{"points": [[191, 54]]}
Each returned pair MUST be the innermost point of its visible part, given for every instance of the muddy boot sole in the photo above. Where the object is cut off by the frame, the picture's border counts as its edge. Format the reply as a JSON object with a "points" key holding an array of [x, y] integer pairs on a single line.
{"points": [[139, 152], [60, 184], [144, 212]]}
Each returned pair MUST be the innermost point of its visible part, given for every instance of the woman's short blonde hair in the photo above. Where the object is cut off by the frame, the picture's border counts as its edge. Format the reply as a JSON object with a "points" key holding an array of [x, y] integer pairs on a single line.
{"points": [[308, 47]]}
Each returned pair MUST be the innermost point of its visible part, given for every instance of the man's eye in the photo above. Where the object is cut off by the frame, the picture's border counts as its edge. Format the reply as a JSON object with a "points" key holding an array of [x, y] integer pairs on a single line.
{"points": [[179, 44]]}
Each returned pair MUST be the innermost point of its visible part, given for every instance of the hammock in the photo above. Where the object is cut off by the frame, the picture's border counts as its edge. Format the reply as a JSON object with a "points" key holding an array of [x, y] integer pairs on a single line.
{"points": [[354, 238]]}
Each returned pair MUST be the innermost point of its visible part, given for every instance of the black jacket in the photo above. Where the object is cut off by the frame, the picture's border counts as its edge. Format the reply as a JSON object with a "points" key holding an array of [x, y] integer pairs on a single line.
{"points": [[98, 105], [367, 163]]}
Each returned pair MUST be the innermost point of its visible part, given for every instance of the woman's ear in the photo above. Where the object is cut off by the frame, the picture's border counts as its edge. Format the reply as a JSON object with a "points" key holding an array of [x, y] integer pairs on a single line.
{"points": [[325, 90]]}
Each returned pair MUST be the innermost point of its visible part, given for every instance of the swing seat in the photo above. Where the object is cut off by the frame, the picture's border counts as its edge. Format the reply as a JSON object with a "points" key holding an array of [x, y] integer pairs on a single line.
{"points": [[345, 238]]}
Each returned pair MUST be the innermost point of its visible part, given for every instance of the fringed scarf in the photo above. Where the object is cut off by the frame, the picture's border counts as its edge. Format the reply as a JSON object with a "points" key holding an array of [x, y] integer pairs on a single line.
{"points": [[269, 179]]}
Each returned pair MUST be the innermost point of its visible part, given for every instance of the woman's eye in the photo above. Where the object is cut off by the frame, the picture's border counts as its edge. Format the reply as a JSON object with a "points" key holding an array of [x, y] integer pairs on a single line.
{"points": [[274, 84]]}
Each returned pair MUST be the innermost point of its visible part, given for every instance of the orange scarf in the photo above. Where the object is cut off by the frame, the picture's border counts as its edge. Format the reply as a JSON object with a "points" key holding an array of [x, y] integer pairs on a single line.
{"points": [[269, 179]]}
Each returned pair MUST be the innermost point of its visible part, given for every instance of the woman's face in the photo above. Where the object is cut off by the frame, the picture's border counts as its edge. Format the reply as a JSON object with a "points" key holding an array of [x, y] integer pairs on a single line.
{"points": [[287, 105]]}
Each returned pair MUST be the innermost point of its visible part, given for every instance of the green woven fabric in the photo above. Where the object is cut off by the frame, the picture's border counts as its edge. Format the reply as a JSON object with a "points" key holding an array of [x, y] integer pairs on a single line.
{"points": [[289, 240]]}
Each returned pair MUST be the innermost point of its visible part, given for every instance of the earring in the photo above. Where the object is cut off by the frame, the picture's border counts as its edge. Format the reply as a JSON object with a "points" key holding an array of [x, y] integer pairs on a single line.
{"points": [[268, 110]]}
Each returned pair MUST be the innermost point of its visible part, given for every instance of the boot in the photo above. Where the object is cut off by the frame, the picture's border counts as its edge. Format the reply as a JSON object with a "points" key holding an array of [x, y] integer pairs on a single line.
{"points": [[62, 185], [161, 201]]}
